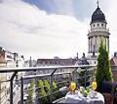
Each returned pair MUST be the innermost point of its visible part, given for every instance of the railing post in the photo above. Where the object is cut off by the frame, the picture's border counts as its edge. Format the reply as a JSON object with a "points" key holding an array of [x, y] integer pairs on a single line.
{"points": [[11, 91], [51, 80], [21, 90], [70, 75], [74, 75], [11, 87], [85, 76]]}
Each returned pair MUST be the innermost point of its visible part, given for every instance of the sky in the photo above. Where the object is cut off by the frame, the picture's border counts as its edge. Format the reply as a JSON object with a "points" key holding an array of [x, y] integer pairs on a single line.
{"points": [[49, 28]]}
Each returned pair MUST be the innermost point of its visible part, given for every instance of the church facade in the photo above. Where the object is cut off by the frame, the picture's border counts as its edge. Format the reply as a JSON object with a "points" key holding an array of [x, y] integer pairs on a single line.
{"points": [[98, 32]]}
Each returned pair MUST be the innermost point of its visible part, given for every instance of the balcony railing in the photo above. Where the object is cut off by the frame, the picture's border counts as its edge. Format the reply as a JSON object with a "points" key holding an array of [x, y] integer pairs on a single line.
{"points": [[21, 77]]}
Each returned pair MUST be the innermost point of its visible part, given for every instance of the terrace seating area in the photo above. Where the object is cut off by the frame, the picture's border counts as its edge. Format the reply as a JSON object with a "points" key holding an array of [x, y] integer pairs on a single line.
{"points": [[109, 95], [53, 87]]}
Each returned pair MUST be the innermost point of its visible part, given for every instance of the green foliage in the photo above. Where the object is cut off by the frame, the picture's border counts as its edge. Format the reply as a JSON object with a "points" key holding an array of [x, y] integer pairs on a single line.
{"points": [[29, 100], [42, 92], [104, 72], [83, 77], [56, 93], [54, 86], [47, 86], [45, 91], [40, 84], [30, 92], [32, 84], [44, 100]]}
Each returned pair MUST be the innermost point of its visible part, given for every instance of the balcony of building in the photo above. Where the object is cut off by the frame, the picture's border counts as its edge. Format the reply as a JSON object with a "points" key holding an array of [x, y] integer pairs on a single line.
{"points": [[42, 85]]}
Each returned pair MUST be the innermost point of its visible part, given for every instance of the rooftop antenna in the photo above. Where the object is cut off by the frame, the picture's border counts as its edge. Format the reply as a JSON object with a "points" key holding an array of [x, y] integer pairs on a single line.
{"points": [[98, 3]]}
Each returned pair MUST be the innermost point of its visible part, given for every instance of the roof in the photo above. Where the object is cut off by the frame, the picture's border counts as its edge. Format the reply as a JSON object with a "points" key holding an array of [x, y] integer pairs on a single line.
{"points": [[98, 16], [113, 61], [69, 61]]}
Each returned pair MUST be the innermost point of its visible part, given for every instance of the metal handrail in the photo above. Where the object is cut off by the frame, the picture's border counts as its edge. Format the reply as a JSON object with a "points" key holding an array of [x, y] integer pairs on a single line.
{"points": [[28, 69], [21, 69]]}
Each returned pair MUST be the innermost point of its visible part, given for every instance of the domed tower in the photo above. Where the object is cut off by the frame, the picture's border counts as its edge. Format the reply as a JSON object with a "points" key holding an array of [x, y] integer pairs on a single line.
{"points": [[98, 32]]}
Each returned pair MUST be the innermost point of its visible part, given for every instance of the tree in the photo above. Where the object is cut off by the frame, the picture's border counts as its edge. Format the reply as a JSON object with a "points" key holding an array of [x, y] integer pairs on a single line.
{"points": [[104, 72]]}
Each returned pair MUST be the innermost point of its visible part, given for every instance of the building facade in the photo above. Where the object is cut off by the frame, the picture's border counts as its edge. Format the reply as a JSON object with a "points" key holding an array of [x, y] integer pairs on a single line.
{"points": [[113, 62], [3, 77], [98, 33], [55, 62], [8, 60]]}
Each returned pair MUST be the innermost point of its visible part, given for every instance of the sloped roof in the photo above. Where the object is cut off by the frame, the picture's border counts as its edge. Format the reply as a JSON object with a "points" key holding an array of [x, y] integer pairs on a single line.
{"points": [[113, 61]]}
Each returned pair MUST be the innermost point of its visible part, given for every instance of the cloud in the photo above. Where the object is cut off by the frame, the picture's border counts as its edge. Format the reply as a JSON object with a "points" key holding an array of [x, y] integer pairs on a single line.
{"points": [[65, 7], [78, 8], [28, 30]]}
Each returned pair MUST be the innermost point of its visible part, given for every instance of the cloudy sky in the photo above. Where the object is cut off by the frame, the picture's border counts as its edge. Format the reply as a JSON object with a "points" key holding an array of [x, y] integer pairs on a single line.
{"points": [[48, 28]]}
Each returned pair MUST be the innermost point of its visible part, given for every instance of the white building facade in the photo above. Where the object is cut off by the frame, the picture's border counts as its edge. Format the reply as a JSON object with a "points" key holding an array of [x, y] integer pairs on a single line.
{"points": [[8, 60]]}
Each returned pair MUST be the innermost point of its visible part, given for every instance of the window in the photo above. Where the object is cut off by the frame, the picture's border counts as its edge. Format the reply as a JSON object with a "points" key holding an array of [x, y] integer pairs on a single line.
{"points": [[93, 25], [97, 24], [102, 25]]}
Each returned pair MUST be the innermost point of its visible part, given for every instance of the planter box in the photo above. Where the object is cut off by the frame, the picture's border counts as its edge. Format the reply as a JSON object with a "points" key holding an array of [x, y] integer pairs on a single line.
{"points": [[108, 98]]}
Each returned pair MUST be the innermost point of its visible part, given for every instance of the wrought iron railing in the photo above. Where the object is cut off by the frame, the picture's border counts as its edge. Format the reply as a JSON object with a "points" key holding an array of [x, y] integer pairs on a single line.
{"points": [[71, 73]]}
